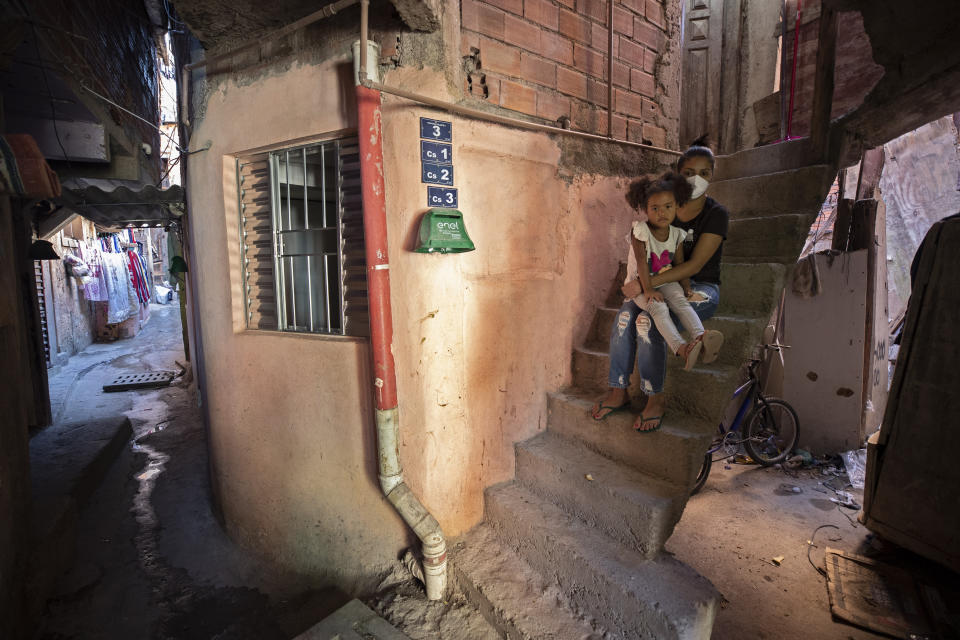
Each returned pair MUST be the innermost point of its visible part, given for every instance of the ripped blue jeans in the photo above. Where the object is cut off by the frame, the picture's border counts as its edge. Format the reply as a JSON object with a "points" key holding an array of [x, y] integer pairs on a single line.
{"points": [[635, 333]]}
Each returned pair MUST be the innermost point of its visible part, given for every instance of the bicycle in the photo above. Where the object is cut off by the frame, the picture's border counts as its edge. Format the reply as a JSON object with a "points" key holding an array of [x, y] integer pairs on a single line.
{"points": [[771, 430]]}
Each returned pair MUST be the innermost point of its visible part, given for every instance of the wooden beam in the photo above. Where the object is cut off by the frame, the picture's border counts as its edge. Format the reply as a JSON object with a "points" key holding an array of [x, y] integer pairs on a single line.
{"points": [[823, 79], [871, 168]]}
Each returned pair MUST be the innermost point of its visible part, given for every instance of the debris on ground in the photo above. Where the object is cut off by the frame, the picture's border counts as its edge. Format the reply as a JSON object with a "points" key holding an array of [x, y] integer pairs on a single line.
{"points": [[401, 601], [777, 560], [787, 489]]}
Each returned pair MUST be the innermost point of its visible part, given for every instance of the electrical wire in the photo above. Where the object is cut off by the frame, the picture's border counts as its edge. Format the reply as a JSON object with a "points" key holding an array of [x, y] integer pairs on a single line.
{"points": [[46, 82], [810, 545], [124, 109]]}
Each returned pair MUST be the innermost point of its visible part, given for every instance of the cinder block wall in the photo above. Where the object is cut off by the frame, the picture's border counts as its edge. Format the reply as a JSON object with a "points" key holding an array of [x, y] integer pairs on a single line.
{"points": [[549, 60]]}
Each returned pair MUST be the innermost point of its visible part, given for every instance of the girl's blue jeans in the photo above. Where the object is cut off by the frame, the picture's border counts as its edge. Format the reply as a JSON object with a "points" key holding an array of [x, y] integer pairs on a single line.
{"points": [[634, 333]]}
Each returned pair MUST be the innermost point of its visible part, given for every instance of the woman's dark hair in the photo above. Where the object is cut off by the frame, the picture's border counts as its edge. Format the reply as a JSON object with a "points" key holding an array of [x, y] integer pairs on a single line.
{"points": [[699, 148], [641, 189]]}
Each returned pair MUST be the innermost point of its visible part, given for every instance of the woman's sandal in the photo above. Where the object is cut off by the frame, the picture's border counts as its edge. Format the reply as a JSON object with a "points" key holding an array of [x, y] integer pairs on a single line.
{"points": [[611, 410], [643, 421]]}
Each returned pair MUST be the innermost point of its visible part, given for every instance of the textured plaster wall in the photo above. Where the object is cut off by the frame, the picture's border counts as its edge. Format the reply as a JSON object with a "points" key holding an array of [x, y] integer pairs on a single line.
{"points": [[479, 337]]}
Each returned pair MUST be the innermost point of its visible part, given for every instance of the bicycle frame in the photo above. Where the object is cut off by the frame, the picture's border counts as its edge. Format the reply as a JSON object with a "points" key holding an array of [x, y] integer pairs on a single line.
{"points": [[749, 390]]}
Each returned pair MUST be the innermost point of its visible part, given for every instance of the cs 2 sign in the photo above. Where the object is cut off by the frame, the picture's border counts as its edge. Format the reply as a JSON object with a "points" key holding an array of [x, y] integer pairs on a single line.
{"points": [[437, 173]]}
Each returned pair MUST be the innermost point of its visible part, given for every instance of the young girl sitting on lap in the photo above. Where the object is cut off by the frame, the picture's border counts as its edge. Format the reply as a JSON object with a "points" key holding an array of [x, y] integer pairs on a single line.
{"points": [[656, 246]]}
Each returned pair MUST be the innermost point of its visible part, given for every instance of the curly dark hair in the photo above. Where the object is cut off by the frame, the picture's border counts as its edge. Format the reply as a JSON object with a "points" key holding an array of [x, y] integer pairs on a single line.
{"points": [[698, 148], [641, 189]]}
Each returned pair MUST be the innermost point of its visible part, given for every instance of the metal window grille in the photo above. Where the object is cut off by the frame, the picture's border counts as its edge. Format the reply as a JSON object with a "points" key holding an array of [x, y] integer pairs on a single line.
{"points": [[301, 239]]}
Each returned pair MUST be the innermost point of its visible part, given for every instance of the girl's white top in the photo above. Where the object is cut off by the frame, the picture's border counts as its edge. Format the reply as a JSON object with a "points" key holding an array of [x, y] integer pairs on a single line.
{"points": [[659, 254]]}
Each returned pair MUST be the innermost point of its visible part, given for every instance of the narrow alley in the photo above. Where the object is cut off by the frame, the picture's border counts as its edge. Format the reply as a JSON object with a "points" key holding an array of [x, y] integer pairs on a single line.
{"points": [[479, 320], [151, 559]]}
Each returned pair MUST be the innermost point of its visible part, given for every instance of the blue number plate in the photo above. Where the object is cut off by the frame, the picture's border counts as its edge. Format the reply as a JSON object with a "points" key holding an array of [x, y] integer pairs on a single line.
{"points": [[436, 130], [440, 197], [437, 173], [436, 152]]}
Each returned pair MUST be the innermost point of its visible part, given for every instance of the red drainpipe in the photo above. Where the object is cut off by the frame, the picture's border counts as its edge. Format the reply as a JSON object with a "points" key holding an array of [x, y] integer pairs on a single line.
{"points": [[433, 571], [375, 237]]}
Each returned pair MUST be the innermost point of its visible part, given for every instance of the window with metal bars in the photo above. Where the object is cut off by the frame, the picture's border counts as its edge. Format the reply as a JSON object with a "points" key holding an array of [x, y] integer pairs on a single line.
{"points": [[301, 239]]}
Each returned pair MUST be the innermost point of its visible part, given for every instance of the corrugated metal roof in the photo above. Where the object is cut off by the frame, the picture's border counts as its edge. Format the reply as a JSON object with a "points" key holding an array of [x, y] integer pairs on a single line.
{"points": [[122, 203]]}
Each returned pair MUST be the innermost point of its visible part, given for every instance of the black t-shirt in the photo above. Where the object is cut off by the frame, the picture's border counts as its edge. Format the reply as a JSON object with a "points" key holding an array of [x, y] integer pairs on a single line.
{"points": [[714, 218]]}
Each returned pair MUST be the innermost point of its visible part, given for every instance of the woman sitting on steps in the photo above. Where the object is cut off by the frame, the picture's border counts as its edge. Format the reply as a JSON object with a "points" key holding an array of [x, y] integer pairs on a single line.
{"points": [[705, 222]]}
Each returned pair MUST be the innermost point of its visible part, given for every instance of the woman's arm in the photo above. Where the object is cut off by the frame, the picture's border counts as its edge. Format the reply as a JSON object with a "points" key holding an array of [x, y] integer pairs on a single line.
{"points": [[677, 261], [706, 246]]}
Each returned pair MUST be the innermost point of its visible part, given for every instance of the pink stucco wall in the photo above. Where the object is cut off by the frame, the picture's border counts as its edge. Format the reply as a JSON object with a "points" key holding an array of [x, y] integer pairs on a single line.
{"points": [[480, 337]]}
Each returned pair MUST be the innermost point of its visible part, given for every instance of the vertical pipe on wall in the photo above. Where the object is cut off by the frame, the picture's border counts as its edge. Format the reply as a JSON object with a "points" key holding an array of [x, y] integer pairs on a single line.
{"points": [[610, 68], [381, 332]]}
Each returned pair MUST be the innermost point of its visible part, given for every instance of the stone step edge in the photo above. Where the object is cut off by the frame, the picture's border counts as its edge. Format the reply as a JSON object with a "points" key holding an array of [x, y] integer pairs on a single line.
{"points": [[588, 479], [478, 557], [585, 398]]}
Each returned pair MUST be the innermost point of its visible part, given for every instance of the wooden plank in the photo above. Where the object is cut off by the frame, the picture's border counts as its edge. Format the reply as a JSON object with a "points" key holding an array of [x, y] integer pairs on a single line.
{"points": [[823, 79], [841, 227], [871, 168]]}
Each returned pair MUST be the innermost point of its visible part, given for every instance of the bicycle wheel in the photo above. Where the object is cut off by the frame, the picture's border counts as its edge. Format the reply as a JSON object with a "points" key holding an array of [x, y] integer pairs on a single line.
{"points": [[771, 431], [703, 473]]}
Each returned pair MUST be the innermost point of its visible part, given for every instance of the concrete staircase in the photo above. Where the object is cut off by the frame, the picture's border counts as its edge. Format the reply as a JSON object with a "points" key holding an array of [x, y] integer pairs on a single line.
{"points": [[573, 546]]}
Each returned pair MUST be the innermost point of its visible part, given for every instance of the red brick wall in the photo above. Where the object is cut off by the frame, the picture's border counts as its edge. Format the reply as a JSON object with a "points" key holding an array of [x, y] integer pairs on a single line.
{"points": [[548, 59], [855, 73]]}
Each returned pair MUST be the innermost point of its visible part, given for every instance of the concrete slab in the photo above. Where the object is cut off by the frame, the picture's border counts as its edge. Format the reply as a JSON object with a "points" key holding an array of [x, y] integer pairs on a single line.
{"points": [[352, 621], [68, 462]]}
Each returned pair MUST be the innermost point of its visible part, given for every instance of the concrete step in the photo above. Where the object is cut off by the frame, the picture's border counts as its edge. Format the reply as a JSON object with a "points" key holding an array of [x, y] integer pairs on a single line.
{"points": [[697, 391], [750, 289], [515, 599], [784, 192], [771, 158], [673, 453], [777, 238], [632, 596], [702, 392], [636, 509], [740, 334]]}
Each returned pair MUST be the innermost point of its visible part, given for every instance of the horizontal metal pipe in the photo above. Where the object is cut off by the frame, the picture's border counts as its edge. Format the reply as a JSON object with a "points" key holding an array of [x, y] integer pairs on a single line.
{"points": [[504, 120], [316, 16]]}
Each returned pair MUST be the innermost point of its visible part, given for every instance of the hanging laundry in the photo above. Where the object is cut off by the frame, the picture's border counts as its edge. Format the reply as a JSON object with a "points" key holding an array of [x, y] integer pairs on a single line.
{"points": [[118, 285], [138, 277]]}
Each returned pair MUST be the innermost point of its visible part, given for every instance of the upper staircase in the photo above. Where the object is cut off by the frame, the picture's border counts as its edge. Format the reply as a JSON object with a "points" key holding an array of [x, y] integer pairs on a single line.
{"points": [[573, 546]]}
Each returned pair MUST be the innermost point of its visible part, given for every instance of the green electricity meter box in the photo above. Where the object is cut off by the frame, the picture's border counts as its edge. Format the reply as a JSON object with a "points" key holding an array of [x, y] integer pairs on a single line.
{"points": [[443, 231]]}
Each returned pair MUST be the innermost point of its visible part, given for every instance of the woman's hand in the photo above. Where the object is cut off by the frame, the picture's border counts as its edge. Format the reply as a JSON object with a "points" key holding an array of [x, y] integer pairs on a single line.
{"points": [[653, 296], [632, 289]]}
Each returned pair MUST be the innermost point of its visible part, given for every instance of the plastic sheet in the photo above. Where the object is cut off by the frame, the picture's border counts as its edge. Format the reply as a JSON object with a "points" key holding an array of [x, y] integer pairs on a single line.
{"points": [[855, 462]]}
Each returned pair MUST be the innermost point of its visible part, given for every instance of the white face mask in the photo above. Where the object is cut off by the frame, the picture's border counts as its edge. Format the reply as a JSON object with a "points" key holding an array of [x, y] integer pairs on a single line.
{"points": [[699, 184]]}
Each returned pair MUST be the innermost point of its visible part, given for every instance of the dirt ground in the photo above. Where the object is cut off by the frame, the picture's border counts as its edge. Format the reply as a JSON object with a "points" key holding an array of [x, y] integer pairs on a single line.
{"points": [[741, 520]]}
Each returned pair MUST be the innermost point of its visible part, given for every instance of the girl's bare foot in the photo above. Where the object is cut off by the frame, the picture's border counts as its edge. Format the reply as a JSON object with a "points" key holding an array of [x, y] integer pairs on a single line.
{"points": [[652, 416], [615, 400]]}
